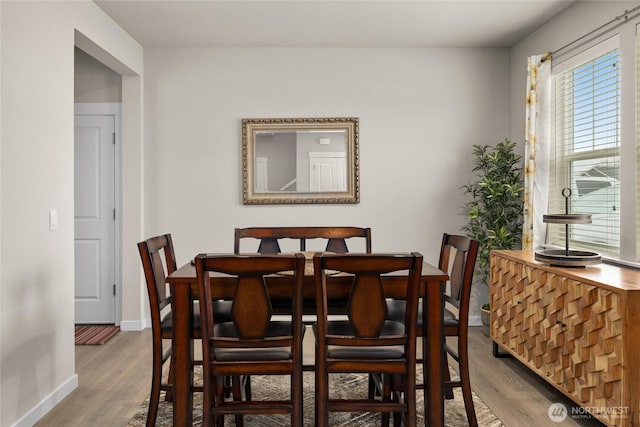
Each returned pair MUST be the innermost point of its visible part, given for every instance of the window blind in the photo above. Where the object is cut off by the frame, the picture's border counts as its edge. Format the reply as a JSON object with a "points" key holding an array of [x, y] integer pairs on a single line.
{"points": [[586, 137]]}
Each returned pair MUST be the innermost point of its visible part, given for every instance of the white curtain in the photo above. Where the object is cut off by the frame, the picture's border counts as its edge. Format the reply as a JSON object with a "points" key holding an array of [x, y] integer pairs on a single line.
{"points": [[537, 149]]}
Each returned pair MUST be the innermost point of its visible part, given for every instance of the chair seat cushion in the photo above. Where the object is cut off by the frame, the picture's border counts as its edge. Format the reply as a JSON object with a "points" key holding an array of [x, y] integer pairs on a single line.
{"points": [[221, 313], [396, 308], [276, 329], [364, 353], [255, 354], [167, 320], [344, 327]]}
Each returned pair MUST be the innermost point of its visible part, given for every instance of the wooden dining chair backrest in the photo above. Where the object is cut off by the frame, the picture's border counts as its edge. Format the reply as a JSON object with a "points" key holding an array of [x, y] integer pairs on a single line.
{"points": [[270, 237], [158, 261], [367, 310], [252, 342], [367, 342], [460, 269]]}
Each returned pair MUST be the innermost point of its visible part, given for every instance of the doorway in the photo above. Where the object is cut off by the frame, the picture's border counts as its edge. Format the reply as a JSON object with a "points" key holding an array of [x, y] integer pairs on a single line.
{"points": [[96, 213]]}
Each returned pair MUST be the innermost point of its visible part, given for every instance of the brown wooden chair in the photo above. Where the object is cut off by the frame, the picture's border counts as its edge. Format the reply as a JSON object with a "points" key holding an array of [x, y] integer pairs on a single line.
{"points": [[251, 343], [158, 261], [270, 236], [367, 342], [458, 258]]}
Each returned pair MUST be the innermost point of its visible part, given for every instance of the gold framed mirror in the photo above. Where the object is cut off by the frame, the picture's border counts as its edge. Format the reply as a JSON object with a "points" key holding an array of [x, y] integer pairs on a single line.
{"points": [[300, 160]]}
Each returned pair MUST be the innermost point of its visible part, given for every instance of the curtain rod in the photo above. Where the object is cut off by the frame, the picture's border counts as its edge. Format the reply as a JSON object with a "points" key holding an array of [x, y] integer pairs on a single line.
{"points": [[624, 16]]}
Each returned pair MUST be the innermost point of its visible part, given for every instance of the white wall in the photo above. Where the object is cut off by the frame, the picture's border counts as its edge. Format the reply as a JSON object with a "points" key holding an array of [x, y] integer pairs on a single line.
{"points": [[37, 365], [420, 111]]}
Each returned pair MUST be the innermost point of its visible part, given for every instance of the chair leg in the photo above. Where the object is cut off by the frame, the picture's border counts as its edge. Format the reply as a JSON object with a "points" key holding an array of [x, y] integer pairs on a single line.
{"points": [[397, 419], [236, 387], [297, 413], [154, 398], [398, 386], [425, 374], [208, 396], [227, 386], [219, 399], [463, 364], [168, 396], [371, 391], [410, 399], [246, 380], [386, 397], [375, 386], [322, 397], [448, 389]]}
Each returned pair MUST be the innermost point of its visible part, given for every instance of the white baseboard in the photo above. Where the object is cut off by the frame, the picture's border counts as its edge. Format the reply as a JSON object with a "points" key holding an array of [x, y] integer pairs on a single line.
{"points": [[134, 325], [41, 409], [475, 321]]}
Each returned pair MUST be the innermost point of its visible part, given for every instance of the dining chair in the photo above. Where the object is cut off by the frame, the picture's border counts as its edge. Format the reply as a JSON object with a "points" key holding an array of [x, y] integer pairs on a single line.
{"points": [[158, 261], [270, 237], [458, 258], [252, 342], [366, 341]]}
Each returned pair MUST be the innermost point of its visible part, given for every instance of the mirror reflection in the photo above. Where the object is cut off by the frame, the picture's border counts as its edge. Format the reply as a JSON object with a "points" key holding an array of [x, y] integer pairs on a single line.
{"points": [[308, 160], [300, 160]]}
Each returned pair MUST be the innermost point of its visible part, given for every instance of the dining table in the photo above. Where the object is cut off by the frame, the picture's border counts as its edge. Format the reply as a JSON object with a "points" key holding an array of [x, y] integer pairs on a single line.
{"points": [[184, 290]]}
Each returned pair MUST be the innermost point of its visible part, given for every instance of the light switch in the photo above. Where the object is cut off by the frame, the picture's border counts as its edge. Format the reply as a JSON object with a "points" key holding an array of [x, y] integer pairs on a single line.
{"points": [[53, 220]]}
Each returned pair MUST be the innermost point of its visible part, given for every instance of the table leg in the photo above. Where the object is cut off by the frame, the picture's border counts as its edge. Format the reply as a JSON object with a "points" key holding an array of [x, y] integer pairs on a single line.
{"points": [[432, 349], [182, 346]]}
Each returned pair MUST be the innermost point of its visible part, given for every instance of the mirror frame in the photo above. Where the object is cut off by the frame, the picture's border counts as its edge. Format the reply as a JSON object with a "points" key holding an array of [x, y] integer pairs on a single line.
{"points": [[252, 197]]}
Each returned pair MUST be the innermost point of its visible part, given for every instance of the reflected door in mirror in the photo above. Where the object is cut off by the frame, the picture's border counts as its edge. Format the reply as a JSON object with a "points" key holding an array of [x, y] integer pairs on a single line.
{"points": [[328, 171]]}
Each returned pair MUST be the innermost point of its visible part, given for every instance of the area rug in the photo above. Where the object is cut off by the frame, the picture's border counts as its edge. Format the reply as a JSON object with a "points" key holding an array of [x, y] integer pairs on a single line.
{"points": [[339, 385], [95, 334]]}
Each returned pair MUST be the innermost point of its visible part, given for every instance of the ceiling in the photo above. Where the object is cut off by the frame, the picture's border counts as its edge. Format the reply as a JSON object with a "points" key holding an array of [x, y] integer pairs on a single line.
{"points": [[331, 23]]}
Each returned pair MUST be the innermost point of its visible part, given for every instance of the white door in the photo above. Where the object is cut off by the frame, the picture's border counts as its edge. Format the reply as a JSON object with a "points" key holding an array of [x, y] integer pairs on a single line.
{"points": [[328, 171], [95, 275], [262, 175]]}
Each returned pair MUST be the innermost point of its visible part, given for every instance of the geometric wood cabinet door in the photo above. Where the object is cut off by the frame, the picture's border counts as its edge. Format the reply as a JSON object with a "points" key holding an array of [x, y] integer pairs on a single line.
{"points": [[578, 328]]}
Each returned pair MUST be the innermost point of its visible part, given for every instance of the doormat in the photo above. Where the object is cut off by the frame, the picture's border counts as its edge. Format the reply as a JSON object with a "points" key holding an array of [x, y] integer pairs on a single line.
{"points": [[95, 334]]}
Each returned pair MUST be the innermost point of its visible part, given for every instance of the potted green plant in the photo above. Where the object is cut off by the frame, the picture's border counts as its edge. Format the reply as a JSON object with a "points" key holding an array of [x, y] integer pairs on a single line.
{"points": [[494, 212]]}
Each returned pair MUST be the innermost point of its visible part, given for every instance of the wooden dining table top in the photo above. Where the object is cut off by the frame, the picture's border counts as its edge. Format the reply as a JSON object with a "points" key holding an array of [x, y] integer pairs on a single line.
{"points": [[278, 284]]}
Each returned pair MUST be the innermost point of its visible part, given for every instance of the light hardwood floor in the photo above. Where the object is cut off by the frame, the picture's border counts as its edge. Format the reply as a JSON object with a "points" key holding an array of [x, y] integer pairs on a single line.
{"points": [[114, 379]]}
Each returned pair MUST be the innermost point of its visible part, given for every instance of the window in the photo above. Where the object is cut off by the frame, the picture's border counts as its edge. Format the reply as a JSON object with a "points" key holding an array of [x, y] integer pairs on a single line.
{"points": [[586, 141]]}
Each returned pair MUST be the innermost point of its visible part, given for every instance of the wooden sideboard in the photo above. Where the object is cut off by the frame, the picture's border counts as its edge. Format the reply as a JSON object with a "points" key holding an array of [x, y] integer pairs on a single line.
{"points": [[578, 328]]}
